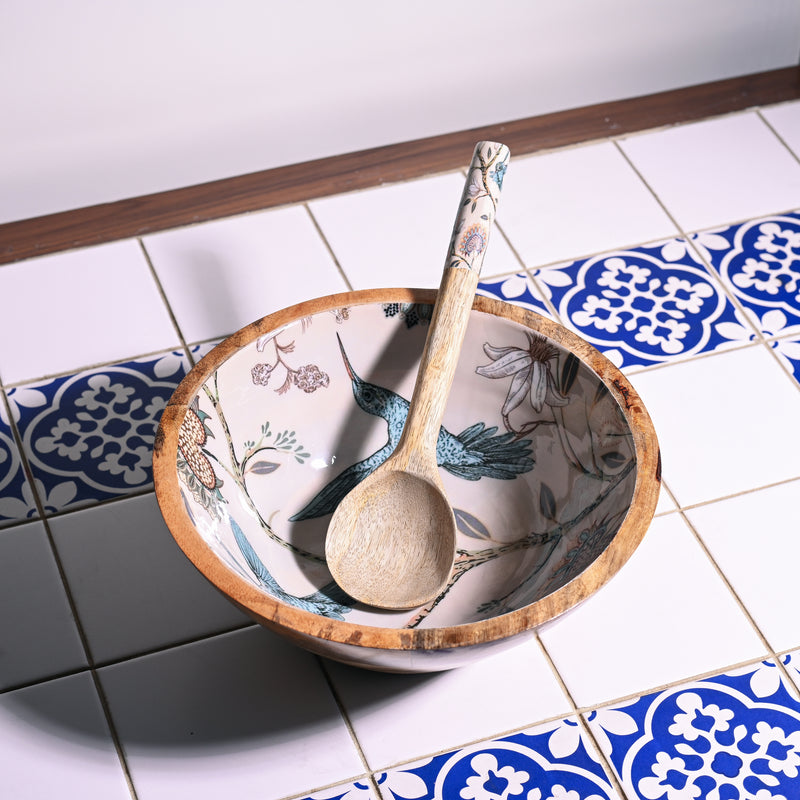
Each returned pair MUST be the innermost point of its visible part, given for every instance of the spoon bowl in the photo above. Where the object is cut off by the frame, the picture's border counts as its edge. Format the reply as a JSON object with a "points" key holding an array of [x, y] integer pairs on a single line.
{"points": [[398, 542]]}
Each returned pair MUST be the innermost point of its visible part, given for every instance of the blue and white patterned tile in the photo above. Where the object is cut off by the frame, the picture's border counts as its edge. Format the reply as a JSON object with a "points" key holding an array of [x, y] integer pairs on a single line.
{"points": [[355, 790], [518, 289], [17, 502], [732, 736], [88, 437], [791, 661], [554, 761], [759, 263], [644, 306]]}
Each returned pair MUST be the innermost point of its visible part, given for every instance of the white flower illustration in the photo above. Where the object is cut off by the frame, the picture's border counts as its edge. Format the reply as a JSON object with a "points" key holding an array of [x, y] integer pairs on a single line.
{"points": [[664, 771], [492, 782], [97, 396], [770, 233], [395, 784], [400, 784], [765, 679], [669, 335], [693, 708], [566, 737], [676, 249], [781, 751], [26, 397], [132, 464], [559, 792], [620, 275], [65, 440], [59, 497], [687, 296], [598, 311]]}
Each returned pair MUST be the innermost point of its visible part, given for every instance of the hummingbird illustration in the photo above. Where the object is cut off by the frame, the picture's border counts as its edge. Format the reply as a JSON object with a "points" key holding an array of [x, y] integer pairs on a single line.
{"points": [[477, 452]]}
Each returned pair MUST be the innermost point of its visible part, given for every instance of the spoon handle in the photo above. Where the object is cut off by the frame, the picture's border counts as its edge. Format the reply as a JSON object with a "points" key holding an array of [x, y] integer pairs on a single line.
{"points": [[453, 304]]}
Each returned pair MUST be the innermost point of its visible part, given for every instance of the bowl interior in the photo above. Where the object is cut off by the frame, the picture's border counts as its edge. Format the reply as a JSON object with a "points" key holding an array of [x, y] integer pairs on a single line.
{"points": [[537, 457]]}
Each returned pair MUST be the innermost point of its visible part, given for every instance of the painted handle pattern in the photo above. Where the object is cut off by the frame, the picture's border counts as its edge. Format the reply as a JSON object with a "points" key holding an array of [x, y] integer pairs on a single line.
{"points": [[478, 206]]}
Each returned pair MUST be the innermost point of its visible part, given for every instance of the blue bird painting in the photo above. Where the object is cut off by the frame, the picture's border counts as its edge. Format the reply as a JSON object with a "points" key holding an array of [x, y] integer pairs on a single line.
{"points": [[477, 452]]}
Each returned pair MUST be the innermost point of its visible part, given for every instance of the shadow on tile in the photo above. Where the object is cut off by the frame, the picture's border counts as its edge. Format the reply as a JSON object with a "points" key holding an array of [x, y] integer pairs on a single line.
{"points": [[134, 590]]}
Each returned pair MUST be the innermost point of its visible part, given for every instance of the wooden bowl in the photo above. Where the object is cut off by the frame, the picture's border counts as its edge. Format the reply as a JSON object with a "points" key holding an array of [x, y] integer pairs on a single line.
{"points": [[551, 465]]}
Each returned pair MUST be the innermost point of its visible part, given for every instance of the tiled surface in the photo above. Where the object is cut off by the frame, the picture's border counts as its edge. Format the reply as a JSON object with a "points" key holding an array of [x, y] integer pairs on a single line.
{"points": [[675, 252]]}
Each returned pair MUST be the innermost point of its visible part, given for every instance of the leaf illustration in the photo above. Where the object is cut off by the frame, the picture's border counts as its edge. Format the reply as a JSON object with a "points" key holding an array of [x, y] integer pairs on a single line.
{"points": [[547, 502], [613, 460], [569, 371], [263, 467], [470, 526], [602, 391]]}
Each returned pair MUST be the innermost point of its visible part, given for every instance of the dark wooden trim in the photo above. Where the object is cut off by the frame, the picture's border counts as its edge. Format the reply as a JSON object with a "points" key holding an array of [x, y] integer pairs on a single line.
{"points": [[312, 179]]}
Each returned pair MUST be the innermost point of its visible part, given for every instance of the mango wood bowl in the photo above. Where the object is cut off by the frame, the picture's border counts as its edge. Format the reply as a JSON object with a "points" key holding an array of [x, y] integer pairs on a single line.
{"points": [[548, 456]]}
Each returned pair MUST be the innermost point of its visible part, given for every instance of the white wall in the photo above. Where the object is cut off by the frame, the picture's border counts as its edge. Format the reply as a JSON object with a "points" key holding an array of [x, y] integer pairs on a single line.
{"points": [[105, 99]]}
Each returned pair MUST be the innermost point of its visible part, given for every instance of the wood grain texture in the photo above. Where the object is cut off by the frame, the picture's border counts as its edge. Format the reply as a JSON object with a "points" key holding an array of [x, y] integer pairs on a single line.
{"points": [[397, 162]]}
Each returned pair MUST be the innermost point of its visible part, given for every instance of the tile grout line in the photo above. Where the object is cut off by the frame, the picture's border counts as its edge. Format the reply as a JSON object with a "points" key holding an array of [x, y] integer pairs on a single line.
{"points": [[98, 365], [760, 114], [327, 245], [73, 608], [724, 578], [163, 295], [348, 724], [608, 767]]}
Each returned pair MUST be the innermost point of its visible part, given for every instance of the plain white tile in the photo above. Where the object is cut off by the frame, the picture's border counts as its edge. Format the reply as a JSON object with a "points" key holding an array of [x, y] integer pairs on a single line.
{"points": [[726, 423], [134, 589], [223, 275], [785, 120], [78, 308], [399, 717], [753, 538], [578, 202], [717, 171], [242, 715], [37, 631], [56, 743], [665, 616], [398, 235]]}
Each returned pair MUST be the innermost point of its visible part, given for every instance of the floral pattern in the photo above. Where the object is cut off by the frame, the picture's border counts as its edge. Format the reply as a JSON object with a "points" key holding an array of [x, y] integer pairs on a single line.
{"points": [[759, 263], [732, 736], [89, 437], [549, 762], [643, 306], [17, 501], [478, 206]]}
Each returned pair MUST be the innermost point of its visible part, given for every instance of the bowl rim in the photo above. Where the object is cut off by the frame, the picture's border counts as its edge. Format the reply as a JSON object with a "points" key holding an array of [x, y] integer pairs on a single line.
{"points": [[303, 625]]}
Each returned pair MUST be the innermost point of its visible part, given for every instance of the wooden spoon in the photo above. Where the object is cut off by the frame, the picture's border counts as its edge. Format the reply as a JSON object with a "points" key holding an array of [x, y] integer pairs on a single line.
{"points": [[391, 541]]}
